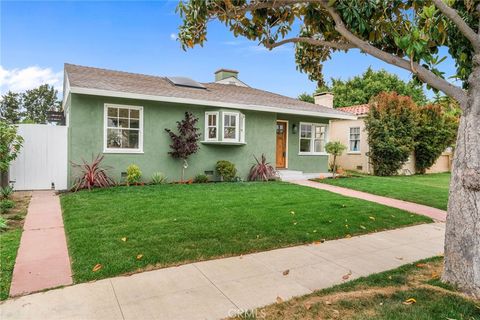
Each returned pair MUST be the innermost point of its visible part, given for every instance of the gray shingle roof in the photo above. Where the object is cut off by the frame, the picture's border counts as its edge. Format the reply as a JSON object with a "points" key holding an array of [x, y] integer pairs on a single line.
{"points": [[125, 82]]}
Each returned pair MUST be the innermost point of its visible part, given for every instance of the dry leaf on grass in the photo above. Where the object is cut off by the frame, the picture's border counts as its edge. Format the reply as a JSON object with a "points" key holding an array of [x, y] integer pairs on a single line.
{"points": [[347, 276], [279, 299], [308, 306], [363, 227], [371, 218], [348, 236], [286, 272], [328, 302], [140, 256], [97, 267], [124, 239], [409, 301], [421, 265]]}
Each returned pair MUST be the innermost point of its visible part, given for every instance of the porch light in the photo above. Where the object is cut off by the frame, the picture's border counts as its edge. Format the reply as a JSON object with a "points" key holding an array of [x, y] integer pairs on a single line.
{"points": [[294, 128]]}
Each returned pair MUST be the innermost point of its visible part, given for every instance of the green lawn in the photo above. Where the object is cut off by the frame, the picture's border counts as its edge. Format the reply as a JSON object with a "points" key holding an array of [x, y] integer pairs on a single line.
{"points": [[10, 240], [428, 189], [9, 243], [175, 224], [380, 296]]}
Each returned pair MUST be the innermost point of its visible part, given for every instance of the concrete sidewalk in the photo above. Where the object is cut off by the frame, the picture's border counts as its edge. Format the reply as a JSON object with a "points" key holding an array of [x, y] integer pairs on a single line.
{"points": [[42, 260], [434, 213], [220, 288]]}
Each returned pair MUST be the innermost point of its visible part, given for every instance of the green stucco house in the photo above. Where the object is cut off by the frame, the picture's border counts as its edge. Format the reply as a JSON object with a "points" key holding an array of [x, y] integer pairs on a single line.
{"points": [[124, 115]]}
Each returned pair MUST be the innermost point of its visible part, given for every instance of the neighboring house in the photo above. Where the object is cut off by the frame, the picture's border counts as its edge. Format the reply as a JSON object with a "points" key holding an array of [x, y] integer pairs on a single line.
{"points": [[353, 135], [124, 116]]}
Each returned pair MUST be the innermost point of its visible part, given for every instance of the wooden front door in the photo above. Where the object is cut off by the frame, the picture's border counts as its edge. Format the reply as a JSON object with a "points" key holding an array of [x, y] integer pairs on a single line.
{"points": [[281, 144]]}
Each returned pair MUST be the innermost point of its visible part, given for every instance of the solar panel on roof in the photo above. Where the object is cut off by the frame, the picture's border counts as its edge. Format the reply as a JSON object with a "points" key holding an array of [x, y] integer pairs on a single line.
{"points": [[185, 82]]}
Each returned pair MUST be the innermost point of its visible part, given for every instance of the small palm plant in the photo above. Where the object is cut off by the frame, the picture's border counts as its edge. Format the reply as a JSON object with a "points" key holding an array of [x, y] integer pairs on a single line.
{"points": [[92, 175], [335, 148], [262, 170]]}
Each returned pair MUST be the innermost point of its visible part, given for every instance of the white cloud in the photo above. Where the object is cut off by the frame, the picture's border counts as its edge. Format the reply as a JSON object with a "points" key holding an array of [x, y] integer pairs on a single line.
{"points": [[173, 36], [18, 80]]}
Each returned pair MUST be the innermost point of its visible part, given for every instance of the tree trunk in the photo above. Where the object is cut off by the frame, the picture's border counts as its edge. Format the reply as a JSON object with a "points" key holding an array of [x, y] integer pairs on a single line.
{"points": [[462, 238], [4, 179], [334, 165]]}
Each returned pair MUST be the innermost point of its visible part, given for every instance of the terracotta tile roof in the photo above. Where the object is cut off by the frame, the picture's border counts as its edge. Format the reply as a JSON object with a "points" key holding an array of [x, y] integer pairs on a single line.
{"points": [[358, 110], [102, 79]]}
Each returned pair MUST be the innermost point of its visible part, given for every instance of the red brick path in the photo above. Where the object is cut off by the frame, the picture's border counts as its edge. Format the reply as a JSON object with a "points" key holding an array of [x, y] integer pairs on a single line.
{"points": [[42, 260]]}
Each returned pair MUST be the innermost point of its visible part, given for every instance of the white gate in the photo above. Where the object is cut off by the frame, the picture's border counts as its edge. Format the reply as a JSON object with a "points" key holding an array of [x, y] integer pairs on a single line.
{"points": [[42, 162]]}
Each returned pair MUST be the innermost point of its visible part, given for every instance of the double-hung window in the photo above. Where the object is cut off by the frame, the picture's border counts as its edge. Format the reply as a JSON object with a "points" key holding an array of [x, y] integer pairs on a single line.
{"points": [[231, 126], [313, 137], [354, 139], [211, 126], [123, 127]]}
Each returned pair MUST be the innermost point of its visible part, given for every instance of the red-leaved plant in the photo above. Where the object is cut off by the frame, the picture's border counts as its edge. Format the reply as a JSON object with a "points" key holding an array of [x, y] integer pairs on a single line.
{"points": [[262, 170], [92, 175]]}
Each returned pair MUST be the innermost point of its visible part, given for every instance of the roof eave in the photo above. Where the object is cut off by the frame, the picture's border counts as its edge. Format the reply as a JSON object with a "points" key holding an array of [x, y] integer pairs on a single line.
{"points": [[140, 96]]}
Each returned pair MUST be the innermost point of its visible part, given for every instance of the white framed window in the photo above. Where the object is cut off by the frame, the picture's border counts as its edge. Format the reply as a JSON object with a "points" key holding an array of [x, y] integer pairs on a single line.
{"points": [[123, 129], [313, 137], [231, 126], [211, 126], [354, 139]]}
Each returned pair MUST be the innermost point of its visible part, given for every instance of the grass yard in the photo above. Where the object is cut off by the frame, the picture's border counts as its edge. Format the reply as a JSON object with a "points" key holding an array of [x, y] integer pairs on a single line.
{"points": [[429, 189], [380, 296], [176, 224], [10, 240]]}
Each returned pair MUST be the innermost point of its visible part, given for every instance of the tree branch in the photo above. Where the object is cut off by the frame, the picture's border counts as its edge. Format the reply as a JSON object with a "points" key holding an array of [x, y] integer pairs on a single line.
{"points": [[423, 73], [315, 42], [464, 28]]}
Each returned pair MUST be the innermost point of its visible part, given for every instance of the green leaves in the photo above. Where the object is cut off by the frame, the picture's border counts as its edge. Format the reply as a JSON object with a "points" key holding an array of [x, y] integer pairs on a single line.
{"points": [[10, 144]]}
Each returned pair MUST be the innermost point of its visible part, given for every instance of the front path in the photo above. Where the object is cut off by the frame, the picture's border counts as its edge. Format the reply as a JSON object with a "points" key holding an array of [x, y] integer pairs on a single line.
{"points": [[42, 260], [220, 288], [434, 213]]}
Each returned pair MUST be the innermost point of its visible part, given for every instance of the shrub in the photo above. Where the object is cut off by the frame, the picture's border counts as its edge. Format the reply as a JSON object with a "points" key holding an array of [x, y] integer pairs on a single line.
{"points": [[134, 175], [5, 205], [6, 192], [92, 175], [200, 178], [226, 170], [3, 224], [185, 143], [335, 148], [262, 170], [159, 178], [436, 132], [391, 126]]}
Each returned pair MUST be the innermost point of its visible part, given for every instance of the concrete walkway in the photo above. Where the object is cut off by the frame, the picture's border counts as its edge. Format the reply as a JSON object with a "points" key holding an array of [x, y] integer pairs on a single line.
{"points": [[220, 288], [434, 213], [42, 260]]}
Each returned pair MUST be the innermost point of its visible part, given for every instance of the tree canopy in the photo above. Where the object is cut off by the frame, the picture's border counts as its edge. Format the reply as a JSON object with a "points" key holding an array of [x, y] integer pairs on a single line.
{"points": [[360, 89], [30, 106], [407, 34]]}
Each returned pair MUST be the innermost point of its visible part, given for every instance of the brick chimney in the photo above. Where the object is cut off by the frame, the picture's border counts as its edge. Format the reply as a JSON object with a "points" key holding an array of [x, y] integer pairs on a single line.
{"points": [[324, 99]]}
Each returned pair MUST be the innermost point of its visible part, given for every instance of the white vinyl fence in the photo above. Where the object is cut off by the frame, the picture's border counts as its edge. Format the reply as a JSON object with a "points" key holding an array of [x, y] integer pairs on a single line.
{"points": [[42, 162]]}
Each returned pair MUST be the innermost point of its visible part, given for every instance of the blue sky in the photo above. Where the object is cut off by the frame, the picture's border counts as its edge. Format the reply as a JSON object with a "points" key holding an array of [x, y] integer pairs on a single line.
{"points": [[37, 37]]}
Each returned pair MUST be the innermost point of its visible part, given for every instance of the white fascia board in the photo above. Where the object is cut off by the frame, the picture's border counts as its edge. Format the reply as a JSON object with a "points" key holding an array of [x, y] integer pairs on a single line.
{"points": [[140, 96]]}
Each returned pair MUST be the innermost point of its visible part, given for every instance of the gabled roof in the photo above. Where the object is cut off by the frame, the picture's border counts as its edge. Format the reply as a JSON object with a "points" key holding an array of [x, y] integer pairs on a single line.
{"points": [[102, 82], [358, 110]]}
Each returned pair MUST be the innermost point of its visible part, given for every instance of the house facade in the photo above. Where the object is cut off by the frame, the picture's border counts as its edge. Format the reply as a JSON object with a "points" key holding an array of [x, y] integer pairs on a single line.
{"points": [[123, 116], [352, 134]]}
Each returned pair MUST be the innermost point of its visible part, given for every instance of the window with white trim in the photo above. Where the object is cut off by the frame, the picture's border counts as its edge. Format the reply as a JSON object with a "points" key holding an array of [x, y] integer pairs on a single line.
{"points": [[313, 137], [224, 126], [123, 128], [230, 126], [211, 126], [354, 139]]}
